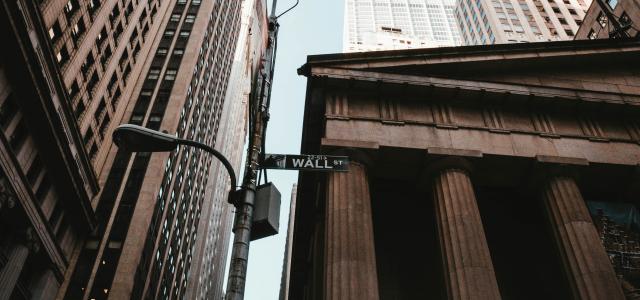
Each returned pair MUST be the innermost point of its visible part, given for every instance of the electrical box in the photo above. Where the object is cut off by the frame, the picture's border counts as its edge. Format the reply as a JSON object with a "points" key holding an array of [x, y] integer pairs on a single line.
{"points": [[266, 212]]}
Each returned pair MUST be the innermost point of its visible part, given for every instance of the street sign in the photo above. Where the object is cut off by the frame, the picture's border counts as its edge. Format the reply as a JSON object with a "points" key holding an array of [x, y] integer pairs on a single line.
{"points": [[306, 162]]}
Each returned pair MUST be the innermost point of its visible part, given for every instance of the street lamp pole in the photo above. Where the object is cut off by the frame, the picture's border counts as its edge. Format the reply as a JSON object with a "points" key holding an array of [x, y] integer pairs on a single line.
{"points": [[245, 202]]}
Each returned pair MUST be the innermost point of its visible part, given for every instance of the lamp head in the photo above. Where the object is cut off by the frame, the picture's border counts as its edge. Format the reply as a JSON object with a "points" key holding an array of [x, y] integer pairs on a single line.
{"points": [[136, 138]]}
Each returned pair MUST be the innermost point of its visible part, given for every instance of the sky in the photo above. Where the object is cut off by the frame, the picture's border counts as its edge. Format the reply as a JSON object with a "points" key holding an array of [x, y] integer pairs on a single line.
{"points": [[313, 27]]}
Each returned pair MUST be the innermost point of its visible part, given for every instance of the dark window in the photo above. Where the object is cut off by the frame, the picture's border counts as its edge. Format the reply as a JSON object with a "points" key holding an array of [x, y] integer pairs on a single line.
{"points": [[34, 170], [43, 188], [18, 137], [624, 19], [70, 8], [79, 109], [7, 111], [55, 32], [63, 56], [77, 30]]}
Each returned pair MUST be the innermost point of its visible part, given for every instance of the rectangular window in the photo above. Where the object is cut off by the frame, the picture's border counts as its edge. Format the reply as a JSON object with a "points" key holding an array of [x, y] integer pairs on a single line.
{"points": [[612, 3], [153, 74], [170, 75], [602, 19]]}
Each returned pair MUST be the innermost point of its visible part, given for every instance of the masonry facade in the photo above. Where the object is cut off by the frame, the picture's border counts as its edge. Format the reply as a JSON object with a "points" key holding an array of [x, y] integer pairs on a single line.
{"points": [[80, 218], [472, 175]]}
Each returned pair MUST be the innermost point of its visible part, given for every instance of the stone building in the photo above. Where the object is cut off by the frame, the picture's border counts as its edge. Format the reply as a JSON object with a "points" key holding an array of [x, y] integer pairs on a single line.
{"points": [[472, 174], [79, 218], [597, 23]]}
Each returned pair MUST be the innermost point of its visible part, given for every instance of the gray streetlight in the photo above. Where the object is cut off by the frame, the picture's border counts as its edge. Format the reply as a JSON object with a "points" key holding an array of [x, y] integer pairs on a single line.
{"points": [[134, 138]]}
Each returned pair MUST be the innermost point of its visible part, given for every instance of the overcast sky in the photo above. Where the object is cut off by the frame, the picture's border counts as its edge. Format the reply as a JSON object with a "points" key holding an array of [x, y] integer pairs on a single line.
{"points": [[313, 27]]}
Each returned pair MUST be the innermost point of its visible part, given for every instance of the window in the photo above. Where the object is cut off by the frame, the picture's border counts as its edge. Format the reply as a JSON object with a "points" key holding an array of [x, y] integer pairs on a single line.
{"points": [[102, 36], [94, 5], [70, 8], [55, 32], [568, 32], [170, 75], [162, 51], [184, 33], [190, 18], [169, 33], [175, 17], [63, 56], [624, 19], [8, 111], [178, 52], [602, 20], [78, 30], [612, 3], [153, 74], [592, 35], [18, 137]]}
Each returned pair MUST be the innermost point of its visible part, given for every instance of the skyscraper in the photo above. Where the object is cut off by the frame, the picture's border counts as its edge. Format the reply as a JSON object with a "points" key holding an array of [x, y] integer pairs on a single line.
{"points": [[371, 25], [484, 22], [80, 217], [210, 250]]}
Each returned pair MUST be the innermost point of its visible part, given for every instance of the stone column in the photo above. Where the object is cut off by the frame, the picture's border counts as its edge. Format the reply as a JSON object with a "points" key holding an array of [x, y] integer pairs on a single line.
{"points": [[468, 270], [590, 272], [350, 260], [11, 271]]}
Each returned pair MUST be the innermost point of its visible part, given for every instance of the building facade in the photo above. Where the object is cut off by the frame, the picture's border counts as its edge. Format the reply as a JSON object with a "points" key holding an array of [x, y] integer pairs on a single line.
{"points": [[46, 178], [597, 23], [210, 251], [371, 25], [92, 221], [286, 263], [485, 22], [472, 175]]}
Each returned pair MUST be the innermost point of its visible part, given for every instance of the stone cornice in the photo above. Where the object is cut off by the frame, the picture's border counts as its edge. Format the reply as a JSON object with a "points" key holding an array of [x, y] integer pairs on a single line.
{"points": [[480, 86]]}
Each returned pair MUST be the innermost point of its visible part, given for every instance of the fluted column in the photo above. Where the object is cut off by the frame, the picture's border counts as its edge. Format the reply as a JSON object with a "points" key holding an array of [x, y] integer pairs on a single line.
{"points": [[350, 268], [11, 271], [590, 272], [468, 269]]}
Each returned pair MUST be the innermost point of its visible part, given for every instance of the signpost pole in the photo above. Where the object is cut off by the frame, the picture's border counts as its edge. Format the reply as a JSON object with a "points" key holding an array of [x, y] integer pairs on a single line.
{"points": [[245, 203]]}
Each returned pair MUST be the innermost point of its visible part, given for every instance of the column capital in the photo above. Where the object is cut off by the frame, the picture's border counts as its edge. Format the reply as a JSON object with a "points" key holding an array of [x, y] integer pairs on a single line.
{"points": [[435, 167]]}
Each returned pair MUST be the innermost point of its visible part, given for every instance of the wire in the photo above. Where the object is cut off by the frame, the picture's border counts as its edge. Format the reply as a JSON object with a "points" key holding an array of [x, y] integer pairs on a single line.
{"points": [[286, 11]]}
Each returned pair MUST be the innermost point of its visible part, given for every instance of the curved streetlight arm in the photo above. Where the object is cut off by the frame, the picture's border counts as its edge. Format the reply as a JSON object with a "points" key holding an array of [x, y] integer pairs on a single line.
{"points": [[214, 152]]}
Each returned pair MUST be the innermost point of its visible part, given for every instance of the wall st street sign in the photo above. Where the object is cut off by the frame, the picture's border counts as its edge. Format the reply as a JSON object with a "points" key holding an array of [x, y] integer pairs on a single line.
{"points": [[306, 162]]}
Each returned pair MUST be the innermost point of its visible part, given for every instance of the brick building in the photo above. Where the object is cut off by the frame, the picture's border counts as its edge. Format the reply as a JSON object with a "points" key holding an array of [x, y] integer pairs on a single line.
{"points": [[80, 218]]}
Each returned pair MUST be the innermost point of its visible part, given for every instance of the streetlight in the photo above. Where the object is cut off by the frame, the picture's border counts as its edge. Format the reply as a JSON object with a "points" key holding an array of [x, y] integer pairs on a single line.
{"points": [[134, 138]]}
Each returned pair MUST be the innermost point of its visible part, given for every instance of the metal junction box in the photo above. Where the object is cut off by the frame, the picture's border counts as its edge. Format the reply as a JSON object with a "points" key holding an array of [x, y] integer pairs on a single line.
{"points": [[266, 213]]}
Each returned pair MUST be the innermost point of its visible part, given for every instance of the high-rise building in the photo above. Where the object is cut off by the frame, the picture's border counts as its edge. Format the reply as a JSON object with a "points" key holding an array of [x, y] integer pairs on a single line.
{"points": [[597, 23], [46, 178], [211, 248], [483, 22], [286, 264], [371, 25], [472, 175], [81, 218]]}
